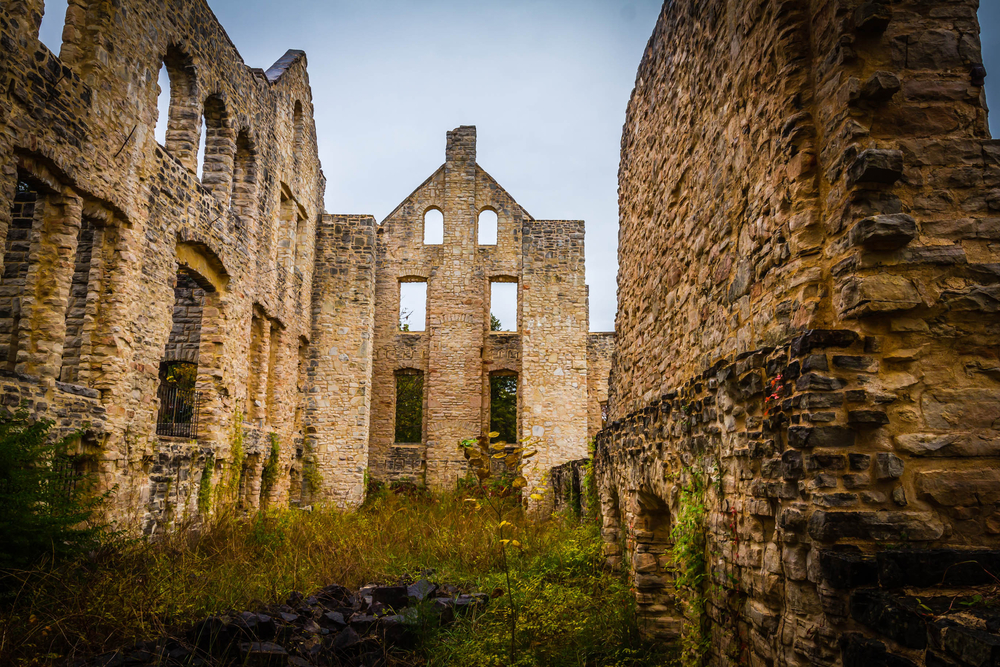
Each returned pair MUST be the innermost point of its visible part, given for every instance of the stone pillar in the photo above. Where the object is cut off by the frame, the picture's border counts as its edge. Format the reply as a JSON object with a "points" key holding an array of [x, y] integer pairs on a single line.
{"points": [[47, 285], [554, 325], [339, 359], [455, 321]]}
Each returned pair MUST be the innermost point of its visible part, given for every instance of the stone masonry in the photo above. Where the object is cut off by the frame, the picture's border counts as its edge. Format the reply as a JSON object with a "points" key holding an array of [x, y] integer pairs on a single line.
{"points": [[194, 314], [807, 364], [457, 352], [119, 258]]}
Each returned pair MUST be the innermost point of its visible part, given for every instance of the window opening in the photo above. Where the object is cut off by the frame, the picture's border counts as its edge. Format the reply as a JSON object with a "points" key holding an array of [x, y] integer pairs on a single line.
{"points": [[244, 187], [503, 306], [162, 106], [433, 227], [179, 398], [216, 147], [180, 135], [16, 260], [272, 376], [503, 406], [256, 361], [202, 145], [76, 308], [413, 306], [50, 33], [488, 227], [409, 406]]}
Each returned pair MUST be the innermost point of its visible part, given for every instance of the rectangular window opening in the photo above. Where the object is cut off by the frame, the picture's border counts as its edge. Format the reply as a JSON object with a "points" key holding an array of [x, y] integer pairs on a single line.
{"points": [[503, 306], [413, 306], [503, 406], [409, 406], [76, 309]]}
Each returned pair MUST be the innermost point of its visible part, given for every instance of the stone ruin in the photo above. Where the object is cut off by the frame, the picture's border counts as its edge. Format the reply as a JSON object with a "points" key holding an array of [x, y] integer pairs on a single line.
{"points": [[174, 292], [807, 367]]}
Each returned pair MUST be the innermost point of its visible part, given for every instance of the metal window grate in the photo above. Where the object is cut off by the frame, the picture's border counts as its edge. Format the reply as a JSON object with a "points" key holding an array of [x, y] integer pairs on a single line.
{"points": [[178, 415]]}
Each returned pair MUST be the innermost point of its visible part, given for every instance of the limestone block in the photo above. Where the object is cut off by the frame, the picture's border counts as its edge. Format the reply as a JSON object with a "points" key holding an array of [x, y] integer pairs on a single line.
{"points": [[959, 487], [882, 293]]}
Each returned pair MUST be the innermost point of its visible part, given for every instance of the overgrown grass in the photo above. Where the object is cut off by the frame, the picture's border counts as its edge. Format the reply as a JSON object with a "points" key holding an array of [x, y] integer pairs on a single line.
{"points": [[572, 611]]}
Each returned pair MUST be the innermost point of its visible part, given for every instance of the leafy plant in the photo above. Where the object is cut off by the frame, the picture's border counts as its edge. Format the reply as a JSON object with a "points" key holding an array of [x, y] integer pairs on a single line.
{"points": [[272, 466], [48, 507], [205, 485], [687, 557], [481, 453]]}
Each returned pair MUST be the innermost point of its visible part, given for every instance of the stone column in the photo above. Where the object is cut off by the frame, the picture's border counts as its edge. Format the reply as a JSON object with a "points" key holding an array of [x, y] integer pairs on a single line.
{"points": [[47, 285], [455, 321]]}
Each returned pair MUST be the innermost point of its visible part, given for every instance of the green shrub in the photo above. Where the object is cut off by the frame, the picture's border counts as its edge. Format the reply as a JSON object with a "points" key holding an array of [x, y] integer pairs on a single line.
{"points": [[48, 507]]}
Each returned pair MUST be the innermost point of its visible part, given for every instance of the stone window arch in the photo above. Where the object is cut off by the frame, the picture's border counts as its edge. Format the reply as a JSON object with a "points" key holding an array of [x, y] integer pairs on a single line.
{"points": [[243, 195], [487, 226], [179, 114], [433, 226], [219, 146]]}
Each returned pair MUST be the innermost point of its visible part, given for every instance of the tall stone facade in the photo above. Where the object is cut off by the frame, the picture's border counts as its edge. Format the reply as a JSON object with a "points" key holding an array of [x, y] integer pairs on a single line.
{"points": [[456, 353], [132, 267], [807, 370], [184, 304]]}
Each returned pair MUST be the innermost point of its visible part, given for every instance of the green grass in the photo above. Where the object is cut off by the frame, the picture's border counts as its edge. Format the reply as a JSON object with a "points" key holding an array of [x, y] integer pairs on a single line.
{"points": [[572, 610]]}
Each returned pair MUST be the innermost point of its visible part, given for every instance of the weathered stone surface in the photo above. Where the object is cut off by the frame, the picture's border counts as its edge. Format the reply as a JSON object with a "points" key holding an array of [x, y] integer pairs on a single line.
{"points": [[959, 487], [948, 444], [884, 232], [876, 166], [876, 294]]}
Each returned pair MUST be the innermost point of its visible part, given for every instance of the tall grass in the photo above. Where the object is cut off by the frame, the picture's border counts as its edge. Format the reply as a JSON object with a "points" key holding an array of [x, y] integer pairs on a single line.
{"points": [[574, 613]]}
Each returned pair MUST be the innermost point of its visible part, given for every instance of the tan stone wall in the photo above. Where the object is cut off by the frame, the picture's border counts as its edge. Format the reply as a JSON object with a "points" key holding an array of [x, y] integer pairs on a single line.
{"points": [[458, 352], [339, 360], [600, 348], [80, 128], [807, 307]]}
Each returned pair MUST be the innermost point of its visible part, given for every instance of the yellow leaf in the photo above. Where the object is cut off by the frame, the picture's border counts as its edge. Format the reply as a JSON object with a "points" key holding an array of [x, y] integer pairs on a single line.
{"points": [[519, 483], [482, 473], [498, 445], [470, 500], [515, 543], [529, 454], [494, 434], [501, 455], [504, 542], [535, 496], [507, 523]]}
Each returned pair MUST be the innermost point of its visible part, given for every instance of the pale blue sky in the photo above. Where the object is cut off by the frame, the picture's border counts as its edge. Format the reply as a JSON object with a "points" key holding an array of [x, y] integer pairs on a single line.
{"points": [[545, 82]]}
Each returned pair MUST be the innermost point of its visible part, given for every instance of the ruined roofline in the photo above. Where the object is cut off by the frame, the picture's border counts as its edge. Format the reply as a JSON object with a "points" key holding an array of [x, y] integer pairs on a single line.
{"points": [[283, 64], [487, 174], [409, 196], [274, 72]]}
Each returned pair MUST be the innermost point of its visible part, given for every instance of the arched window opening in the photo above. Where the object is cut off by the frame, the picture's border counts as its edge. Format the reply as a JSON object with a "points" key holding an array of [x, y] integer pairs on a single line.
{"points": [[503, 405], [216, 149], [162, 106], [180, 134], [433, 227], [409, 406], [487, 227], [413, 305], [503, 305], [178, 394], [88, 247], [50, 33], [244, 191], [29, 201]]}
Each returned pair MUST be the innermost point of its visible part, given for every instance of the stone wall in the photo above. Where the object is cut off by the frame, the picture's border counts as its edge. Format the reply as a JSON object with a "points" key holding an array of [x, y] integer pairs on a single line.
{"points": [[457, 351], [99, 220], [805, 374], [339, 361], [600, 348]]}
